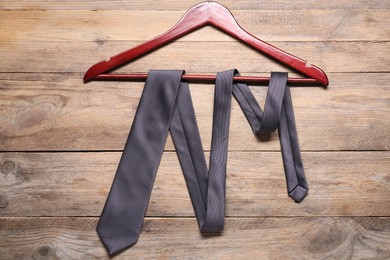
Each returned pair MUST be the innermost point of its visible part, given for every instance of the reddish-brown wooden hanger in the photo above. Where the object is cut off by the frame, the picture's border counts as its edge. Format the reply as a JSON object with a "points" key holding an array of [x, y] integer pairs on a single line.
{"points": [[217, 15]]}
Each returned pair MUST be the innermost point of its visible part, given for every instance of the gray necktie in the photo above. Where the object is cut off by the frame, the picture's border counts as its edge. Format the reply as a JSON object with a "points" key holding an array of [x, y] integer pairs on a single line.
{"points": [[166, 104]]}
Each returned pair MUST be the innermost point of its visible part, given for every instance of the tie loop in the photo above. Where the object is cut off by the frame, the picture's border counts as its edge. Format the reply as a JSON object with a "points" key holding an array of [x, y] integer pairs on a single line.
{"points": [[267, 121], [278, 113]]}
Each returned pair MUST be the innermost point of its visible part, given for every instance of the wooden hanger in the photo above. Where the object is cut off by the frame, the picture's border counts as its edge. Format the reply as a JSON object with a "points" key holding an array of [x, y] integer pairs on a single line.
{"points": [[202, 14]]}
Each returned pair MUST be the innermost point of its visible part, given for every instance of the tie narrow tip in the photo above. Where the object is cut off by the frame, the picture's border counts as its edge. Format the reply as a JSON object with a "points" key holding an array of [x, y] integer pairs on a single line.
{"points": [[298, 193]]}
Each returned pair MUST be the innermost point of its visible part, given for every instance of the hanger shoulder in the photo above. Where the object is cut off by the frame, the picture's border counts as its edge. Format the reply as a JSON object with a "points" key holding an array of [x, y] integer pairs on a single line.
{"points": [[193, 19], [221, 18]]}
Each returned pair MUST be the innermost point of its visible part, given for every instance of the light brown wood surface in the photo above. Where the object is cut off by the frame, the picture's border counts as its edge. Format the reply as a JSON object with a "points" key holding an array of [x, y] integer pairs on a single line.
{"points": [[58, 112], [61, 140], [122, 25], [179, 238], [184, 5], [342, 184]]}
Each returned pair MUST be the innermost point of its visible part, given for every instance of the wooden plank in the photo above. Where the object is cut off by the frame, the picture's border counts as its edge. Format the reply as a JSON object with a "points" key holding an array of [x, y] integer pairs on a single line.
{"points": [[341, 184], [50, 201], [58, 112], [184, 5], [249, 238], [75, 56], [119, 25]]}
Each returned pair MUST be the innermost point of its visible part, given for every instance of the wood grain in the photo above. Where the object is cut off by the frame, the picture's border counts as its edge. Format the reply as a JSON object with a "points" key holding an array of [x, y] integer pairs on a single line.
{"points": [[58, 112], [249, 238], [184, 5], [61, 140], [73, 56], [341, 184], [120, 25]]}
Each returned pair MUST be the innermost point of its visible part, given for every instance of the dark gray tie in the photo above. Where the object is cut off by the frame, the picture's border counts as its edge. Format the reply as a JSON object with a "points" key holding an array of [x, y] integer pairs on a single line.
{"points": [[166, 104]]}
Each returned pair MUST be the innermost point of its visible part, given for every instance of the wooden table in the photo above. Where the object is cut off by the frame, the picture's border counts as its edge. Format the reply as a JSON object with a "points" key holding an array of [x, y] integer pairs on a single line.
{"points": [[61, 140]]}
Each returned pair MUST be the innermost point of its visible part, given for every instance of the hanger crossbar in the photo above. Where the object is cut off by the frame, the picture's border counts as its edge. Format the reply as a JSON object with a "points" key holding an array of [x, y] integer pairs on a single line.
{"points": [[202, 78]]}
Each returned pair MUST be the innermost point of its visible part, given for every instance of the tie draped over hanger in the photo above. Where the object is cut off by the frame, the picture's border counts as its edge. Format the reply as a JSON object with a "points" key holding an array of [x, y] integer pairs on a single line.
{"points": [[166, 106], [217, 15]]}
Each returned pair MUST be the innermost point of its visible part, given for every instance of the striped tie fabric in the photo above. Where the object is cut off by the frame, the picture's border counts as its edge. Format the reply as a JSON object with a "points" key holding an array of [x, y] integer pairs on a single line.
{"points": [[166, 105]]}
